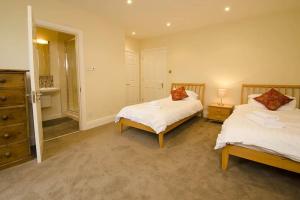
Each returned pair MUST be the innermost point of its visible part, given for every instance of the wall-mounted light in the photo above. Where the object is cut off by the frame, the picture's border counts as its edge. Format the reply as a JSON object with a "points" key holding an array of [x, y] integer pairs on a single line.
{"points": [[42, 41], [133, 33], [129, 2]]}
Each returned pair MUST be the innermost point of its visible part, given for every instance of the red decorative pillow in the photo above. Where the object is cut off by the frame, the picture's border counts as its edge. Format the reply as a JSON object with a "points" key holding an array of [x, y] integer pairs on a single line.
{"points": [[273, 99], [178, 94]]}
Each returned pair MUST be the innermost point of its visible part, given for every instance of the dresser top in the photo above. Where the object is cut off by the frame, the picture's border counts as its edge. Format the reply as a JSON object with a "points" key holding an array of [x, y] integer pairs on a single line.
{"points": [[14, 70]]}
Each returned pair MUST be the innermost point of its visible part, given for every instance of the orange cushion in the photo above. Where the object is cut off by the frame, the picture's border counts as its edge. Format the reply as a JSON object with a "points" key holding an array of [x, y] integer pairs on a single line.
{"points": [[178, 94], [273, 99]]}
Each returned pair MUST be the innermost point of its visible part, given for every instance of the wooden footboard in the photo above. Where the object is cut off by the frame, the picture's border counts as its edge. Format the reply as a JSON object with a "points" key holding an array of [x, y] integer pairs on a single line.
{"points": [[258, 156], [126, 122]]}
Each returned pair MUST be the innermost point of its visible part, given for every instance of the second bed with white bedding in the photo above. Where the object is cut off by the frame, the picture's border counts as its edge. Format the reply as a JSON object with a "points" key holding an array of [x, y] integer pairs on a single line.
{"points": [[160, 113], [282, 138]]}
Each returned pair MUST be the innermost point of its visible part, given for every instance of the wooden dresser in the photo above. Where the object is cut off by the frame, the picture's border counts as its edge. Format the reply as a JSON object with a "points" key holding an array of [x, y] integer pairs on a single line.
{"points": [[14, 134]]}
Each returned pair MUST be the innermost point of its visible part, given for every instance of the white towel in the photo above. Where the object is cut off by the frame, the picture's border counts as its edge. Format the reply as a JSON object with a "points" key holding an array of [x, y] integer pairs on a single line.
{"points": [[266, 115], [293, 125], [269, 123]]}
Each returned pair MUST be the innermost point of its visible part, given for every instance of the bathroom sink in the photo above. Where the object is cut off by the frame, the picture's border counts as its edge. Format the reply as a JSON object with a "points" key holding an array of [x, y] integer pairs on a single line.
{"points": [[49, 90]]}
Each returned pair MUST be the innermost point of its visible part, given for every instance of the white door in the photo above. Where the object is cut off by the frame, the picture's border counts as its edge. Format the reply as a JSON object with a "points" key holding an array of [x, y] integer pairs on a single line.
{"points": [[153, 74], [132, 77], [35, 90]]}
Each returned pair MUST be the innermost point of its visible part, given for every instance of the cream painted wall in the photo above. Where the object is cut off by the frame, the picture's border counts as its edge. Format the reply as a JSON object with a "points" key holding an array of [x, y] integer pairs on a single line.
{"points": [[13, 35], [263, 50], [103, 48]]}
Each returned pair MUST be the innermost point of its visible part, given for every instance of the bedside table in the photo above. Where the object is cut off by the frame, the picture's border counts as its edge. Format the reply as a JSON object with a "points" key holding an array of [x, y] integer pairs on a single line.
{"points": [[219, 112]]}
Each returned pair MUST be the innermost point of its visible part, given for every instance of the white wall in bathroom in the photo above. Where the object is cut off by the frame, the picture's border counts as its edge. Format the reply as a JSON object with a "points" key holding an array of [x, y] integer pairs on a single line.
{"points": [[55, 110]]}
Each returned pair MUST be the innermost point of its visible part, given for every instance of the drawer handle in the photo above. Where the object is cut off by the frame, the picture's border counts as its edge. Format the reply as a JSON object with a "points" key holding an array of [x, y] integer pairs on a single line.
{"points": [[4, 117], [7, 154], [3, 98], [2, 80], [6, 136]]}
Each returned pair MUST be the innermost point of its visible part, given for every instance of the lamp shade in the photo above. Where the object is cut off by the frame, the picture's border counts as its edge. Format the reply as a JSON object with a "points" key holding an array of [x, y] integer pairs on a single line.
{"points": [[222, 92]]}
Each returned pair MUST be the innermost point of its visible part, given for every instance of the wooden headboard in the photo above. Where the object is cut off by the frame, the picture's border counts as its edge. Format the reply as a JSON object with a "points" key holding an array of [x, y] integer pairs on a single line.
{"points": [[290, 90], [198, 88]]}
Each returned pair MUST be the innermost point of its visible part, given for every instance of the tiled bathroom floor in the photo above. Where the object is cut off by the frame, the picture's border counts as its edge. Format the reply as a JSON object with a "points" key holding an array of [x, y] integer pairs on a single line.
{"points": [[58, 127]]}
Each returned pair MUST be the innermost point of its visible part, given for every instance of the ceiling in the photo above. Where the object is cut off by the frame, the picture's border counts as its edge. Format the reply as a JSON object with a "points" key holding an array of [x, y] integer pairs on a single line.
{"points": [[148, 17]]}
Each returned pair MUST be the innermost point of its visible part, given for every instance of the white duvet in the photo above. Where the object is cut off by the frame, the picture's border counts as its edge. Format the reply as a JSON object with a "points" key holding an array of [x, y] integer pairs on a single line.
{"points": [[160, 113], [241, 130]]}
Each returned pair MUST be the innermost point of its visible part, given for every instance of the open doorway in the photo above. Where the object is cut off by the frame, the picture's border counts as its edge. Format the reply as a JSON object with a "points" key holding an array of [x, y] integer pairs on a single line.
{"points": [[58, 81]]}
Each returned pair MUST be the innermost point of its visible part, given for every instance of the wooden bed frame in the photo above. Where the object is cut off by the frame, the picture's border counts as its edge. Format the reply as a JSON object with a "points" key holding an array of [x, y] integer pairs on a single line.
{"points": [[260, 156], [197, 88]]}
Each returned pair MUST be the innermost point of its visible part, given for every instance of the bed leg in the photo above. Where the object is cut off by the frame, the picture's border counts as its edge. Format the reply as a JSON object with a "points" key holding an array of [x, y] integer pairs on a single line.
{"points": [[120, 127], [225, 158], [161, 140]]}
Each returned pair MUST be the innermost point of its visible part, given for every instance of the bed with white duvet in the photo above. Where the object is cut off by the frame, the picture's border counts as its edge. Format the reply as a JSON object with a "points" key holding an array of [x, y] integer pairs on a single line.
{"points": [[161, 113], [276, 132]]}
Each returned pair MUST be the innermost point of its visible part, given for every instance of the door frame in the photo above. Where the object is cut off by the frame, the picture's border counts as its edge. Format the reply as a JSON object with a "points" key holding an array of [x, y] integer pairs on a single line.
{"points": [[139, 68], [79, 62], [165, 81]]}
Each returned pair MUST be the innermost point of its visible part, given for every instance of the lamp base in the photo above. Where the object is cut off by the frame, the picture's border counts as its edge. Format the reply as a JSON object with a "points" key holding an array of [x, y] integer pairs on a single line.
{"points": [[221, 102]]}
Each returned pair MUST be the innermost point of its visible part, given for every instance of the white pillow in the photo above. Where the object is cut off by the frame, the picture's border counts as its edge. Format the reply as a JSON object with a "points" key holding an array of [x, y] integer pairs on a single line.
{"points": [[253, 102], [289, 106], [192, 94]]}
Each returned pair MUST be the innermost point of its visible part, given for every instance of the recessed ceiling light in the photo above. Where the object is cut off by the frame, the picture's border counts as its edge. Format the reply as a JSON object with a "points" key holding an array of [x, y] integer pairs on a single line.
{"points": [[129, 2], [133, 33], [227, 8], [168, 24]]}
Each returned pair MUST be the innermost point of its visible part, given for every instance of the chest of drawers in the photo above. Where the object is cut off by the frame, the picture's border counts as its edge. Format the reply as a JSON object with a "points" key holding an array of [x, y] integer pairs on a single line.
{"points": [[14, 134]]}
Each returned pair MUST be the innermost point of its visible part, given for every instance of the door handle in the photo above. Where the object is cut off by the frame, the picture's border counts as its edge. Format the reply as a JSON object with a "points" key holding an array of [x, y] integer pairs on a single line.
{"points": [[162, 85], [33, 96], [36, 96]]}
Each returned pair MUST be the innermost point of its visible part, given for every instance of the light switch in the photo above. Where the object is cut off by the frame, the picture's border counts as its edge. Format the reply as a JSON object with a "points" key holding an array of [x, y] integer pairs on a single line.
{"points": [[92, 68]]}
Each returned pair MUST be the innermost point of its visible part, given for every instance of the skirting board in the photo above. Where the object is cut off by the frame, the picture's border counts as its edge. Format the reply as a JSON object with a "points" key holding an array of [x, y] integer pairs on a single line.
{"points": [[49, 117], [99, 122], [72, 115]]}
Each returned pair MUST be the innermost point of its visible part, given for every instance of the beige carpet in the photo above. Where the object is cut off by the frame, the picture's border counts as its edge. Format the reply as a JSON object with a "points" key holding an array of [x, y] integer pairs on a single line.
{"points": [[101, 164]]}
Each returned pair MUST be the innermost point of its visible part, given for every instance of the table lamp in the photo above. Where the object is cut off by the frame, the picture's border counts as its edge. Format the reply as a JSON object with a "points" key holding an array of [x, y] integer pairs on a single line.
{"points": [[221, 93]]}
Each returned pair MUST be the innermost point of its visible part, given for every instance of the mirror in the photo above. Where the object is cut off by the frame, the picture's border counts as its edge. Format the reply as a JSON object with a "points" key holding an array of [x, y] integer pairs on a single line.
{"points": [[44, 59]]}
